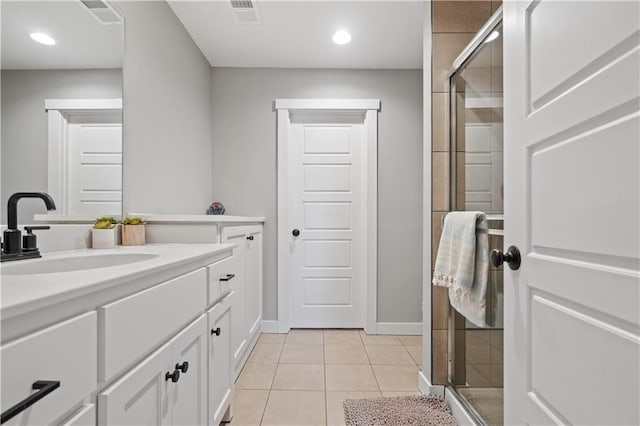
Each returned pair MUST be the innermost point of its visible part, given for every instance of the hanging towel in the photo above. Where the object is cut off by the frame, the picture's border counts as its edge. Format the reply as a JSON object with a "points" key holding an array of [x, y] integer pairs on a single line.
{"points": [[462, 263]]}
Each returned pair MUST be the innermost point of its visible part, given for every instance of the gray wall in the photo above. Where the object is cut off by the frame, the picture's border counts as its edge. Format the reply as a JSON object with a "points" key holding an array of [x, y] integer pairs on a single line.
{"points": [[24, 125], [244, 165], [167, 114]]}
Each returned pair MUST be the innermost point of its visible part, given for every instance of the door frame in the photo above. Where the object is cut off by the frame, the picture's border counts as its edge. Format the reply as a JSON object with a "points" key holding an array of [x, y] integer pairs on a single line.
{"points": [[59, 112], [370, 108]]}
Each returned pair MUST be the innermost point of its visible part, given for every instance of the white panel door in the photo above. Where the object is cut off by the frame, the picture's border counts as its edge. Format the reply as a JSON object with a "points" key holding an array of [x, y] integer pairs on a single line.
{"points": [[572, 206], [220, 361], [326, 190], [95, 168]]}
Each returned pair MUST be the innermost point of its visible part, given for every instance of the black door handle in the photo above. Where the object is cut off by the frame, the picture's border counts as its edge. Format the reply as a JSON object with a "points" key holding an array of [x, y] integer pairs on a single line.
{"points": [[250, 238], [512, 257], [295, 232], [184, 367], [215, 331], [228, 277], [44, 388], [174, 377]]}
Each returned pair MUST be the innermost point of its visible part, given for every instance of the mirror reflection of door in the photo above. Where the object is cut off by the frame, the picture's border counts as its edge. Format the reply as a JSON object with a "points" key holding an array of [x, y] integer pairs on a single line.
{"points": [[63, 51]]}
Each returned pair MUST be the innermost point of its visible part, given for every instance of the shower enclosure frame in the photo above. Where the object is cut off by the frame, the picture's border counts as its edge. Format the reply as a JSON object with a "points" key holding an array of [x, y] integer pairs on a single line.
{"points": [[466, 56]]}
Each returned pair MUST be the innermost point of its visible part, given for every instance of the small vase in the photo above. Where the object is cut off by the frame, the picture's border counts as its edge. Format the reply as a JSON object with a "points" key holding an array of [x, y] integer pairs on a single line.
{"points": [[133, 235], [103, 238]]}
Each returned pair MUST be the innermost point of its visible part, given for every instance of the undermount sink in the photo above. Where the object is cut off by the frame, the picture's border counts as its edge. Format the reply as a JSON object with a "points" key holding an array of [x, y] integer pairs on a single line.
{"points": [[74, 263]]}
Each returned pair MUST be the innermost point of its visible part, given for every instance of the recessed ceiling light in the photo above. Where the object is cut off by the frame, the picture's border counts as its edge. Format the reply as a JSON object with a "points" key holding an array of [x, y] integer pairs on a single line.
{"points": [[494, 35], [341, 37], [43, 39]]}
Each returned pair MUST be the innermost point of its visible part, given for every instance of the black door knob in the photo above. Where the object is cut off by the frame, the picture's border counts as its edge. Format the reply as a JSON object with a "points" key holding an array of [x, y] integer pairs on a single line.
{"points": [[512, 257], [250, 238], [184, 367], [174, 377], [295, 232], [215, 331]]}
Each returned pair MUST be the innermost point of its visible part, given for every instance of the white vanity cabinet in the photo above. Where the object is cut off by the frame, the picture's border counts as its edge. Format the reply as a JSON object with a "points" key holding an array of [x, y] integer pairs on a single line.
{"points": [[160, 390], [247, 286], [221, 376]]}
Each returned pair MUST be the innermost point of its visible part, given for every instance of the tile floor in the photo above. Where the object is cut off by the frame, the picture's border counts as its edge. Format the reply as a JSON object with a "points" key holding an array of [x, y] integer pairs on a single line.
{"points": [[301, 378]]}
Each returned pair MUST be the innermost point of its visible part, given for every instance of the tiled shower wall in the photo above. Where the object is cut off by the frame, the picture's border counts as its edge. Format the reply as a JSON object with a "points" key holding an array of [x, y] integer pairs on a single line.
{"points": [[454, 23]]}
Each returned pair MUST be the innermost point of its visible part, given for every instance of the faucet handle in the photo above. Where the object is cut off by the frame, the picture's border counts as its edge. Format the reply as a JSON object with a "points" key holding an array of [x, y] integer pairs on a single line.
{"points": [[29, 229]]}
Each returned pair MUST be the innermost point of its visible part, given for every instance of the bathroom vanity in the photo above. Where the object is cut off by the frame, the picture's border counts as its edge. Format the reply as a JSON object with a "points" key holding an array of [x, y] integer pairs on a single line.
{"points": [[154, 334]]}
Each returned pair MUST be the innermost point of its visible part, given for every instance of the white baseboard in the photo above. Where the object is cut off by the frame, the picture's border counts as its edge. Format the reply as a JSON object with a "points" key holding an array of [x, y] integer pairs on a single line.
{"points": [[426, 388], [402, 328], [459, 411], [406, 328], [269, 326]]}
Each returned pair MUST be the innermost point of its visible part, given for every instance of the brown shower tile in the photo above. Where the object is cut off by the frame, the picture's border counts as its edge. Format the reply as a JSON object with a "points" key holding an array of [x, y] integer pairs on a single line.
{"points": [[459, 16], [446, 48], [440, 122]]}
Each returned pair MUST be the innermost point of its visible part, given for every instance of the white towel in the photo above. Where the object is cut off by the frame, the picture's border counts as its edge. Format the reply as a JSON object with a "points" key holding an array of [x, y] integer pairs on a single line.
{"points": [[462, 263]]}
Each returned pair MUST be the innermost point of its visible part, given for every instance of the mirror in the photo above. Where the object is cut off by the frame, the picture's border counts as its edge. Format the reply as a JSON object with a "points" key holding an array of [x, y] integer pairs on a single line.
{"points": [[61, 105]]}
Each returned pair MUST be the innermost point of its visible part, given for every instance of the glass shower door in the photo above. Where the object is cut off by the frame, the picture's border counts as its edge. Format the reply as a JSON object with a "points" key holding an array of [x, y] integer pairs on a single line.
{"points": [[475, 352]]}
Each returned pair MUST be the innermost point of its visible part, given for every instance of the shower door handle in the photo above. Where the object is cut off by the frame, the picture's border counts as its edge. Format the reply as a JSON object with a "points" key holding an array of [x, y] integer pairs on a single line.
{"points": [[512, 257]]}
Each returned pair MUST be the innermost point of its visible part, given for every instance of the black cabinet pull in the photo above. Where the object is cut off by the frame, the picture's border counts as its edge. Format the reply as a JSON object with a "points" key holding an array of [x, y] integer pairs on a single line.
{"points": [[44, 388], [250, 238], [227, 277], [215, 331], [175, 376], [184, 367]]}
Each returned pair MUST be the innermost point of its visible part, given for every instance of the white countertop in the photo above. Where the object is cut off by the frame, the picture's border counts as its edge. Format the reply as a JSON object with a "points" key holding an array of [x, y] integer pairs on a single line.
{"points": [[159, 218], [24, 293]]}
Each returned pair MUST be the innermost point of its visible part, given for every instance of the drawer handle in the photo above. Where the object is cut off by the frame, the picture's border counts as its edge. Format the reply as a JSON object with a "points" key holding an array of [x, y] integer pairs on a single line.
{"points": [[250, 238], [44, 388], [175, 376], [184, 367], [228, 277], [215, 331]]}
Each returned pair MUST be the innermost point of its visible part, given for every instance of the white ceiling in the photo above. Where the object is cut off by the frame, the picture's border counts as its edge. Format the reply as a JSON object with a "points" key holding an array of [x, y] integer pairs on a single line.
{"points": [[82, 41], [297, 34]]}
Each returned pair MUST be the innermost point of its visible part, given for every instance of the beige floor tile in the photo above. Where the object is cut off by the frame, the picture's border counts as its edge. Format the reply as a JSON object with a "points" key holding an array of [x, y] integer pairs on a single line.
{"points": [[302, 354], [379, 339], [345, 354], [351, 378], [335, 410], [411, 340], [295, 408], [265, 353], [272, 338], [304, 337], [248, 406], [397, 355], [256, 376], [342, 337], [399, 393], [299, 377], [416, 354], [397, 377]]}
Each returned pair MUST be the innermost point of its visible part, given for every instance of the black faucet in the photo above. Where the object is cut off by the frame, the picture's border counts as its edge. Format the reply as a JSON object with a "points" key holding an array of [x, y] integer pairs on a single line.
{"points": [[14, 246]]}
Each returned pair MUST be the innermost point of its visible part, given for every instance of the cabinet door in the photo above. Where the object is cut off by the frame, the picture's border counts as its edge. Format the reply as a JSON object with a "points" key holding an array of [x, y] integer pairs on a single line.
{"points": [[253, 281], [237, 235], [188, 396], [141, 396], [220, 359]]}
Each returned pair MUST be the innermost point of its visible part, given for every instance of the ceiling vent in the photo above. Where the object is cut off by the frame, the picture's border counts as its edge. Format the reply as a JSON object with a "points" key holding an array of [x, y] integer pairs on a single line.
{"points": [[245, 12], [102, 11]]}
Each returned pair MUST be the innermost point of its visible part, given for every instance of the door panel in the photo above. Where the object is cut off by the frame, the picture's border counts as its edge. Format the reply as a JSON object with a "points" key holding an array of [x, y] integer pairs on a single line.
{"points": [[326, 191], [572, 102], [253, 274], [220, 363]]}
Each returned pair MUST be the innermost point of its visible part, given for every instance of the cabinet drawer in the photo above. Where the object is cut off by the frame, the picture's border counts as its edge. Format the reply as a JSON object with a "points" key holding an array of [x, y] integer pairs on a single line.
{"points": [[220, 277], [65, 352], [133, 326]]}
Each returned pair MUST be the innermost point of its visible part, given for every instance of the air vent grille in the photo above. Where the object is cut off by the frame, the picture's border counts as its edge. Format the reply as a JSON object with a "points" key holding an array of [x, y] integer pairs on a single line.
{"points": [[102, 11], [245, 12]]}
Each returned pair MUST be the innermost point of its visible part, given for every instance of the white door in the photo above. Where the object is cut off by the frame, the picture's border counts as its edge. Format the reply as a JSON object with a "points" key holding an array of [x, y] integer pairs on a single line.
{"points": [[189, 394], [220, 362], [253, 280], [572, 160], [326, 193], [95, 168]]}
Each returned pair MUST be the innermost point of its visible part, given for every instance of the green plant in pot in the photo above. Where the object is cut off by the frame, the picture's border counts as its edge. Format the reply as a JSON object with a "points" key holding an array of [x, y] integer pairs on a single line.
{"points": [[103, 234], [133, 231]]}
